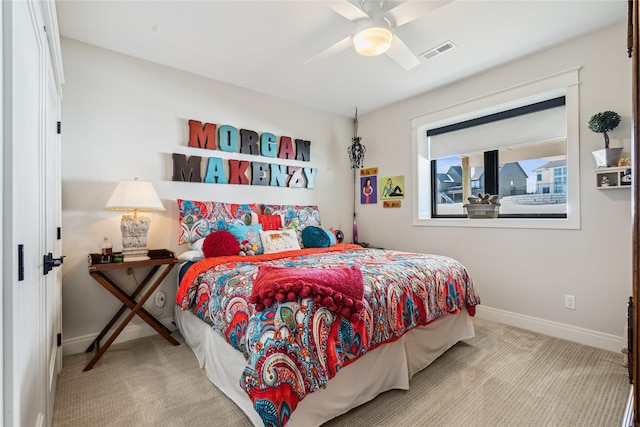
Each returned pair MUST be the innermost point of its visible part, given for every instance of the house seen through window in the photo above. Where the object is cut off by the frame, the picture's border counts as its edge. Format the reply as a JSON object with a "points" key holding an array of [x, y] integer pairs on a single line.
{"points": [[519, 154]]}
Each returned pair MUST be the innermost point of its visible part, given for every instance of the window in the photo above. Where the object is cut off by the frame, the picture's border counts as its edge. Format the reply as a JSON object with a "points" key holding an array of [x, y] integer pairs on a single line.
{"points": [[521, 143], [514, 145]]}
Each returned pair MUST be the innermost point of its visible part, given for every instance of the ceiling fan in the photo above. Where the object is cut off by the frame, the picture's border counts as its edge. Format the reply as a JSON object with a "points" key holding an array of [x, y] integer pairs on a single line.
{"points": [[374, 32]]}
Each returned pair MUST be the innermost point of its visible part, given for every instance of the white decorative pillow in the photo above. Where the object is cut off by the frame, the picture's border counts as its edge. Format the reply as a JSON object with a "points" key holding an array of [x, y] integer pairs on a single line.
{"points": [[279, 241], [192, 255], [197, 245]]}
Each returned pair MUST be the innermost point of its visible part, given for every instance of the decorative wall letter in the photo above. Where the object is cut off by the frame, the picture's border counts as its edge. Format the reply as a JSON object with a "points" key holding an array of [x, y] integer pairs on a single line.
{"points": [[215, 171], [238, 172], [202, 137], [249, 142], [228, 138], [186, 170], [296, 179], [286, 148], [268, 145], [259, 175], [310, 175], [303, 150], [278, 175]]}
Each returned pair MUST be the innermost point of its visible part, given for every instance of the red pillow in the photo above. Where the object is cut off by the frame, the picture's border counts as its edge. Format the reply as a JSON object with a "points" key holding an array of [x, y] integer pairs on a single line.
{"points": [[220, 243], [270, 222]]}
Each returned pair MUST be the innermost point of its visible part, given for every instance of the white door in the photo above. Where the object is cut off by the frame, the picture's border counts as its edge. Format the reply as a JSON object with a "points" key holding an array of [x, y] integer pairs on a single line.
{"points": [[31, 301], [52, 197]]}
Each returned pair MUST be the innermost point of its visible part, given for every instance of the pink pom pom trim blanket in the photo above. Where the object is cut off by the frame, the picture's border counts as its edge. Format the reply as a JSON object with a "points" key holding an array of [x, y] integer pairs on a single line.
{"points": [[339, 289]]}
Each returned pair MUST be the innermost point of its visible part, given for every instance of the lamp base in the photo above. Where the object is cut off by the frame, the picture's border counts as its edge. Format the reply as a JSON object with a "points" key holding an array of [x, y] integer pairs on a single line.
{"points": [[134, 237], [135, 255]]}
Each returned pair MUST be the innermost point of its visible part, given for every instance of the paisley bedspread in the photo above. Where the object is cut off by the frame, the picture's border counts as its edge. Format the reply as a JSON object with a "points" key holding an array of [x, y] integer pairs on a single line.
{"points": [[294, 348]]}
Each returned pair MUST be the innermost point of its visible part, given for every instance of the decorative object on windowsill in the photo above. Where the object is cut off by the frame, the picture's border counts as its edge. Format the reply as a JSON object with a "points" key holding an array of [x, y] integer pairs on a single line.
{"points": [[483, 206], [602, 123], [136, 196], [356, 157]]}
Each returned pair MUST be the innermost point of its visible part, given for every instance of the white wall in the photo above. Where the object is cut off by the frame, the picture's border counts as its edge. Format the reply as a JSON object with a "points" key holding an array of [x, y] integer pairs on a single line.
{"points": [[123, 118], [523, 274]]}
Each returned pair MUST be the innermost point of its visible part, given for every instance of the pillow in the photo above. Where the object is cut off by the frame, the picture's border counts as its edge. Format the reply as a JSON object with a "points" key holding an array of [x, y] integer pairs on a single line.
{"points": [[250, 233], [197, 245], [279, 241], [268, 222], [198, 219], [220, 243], [339, 235], [307, 215], [295, 226], [315, 237], [191, 255], [332, 236]]}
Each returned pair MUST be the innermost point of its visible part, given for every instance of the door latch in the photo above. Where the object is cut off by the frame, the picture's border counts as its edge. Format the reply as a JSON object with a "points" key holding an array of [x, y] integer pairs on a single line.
{"points": [[50, 262]]}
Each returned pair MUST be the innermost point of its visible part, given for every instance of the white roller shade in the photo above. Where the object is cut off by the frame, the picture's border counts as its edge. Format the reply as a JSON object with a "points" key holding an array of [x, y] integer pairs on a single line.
{"points": [[539, 126]]}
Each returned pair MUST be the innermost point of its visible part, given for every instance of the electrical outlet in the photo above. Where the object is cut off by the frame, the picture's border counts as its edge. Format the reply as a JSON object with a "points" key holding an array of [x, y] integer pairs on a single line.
{"points": [[160, 299], [570, 302]]}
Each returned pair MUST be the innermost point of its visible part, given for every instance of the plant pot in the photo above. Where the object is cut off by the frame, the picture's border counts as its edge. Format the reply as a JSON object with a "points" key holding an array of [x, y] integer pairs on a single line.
{"points": [[482, 210], [607, 157]]}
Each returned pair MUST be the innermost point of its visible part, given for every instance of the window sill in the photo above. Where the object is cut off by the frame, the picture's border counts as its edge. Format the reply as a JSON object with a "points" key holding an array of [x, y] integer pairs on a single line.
{"points": [[546, 223]]}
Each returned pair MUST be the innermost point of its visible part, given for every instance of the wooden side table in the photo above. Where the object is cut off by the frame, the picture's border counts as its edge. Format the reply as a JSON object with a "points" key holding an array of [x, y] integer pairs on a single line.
{"points": [[158, 258]]}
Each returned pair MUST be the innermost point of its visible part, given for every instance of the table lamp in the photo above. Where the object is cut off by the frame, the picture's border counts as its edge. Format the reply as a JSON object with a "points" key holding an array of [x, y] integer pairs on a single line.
{"points": [[136, 196]]}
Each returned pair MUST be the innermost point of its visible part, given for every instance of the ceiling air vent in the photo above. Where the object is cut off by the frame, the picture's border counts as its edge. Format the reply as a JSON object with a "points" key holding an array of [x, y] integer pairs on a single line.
{"points": [[432, 53]]}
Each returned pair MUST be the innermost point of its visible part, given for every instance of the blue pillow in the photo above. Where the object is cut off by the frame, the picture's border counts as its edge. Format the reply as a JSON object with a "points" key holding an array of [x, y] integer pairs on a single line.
{"points": [[315, 237], [248, 232], [332, 237]]}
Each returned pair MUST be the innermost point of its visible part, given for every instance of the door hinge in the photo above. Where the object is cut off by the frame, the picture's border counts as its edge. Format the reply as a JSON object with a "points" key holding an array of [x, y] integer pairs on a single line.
{"points": [[20, 263], [59, 233], [59, 339], [59, 127]]}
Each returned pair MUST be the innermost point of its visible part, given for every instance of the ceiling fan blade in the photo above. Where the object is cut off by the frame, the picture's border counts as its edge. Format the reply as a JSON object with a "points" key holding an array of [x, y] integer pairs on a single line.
{"points": [[332, 50], [412, 10], [399, 52], [348, 10]]}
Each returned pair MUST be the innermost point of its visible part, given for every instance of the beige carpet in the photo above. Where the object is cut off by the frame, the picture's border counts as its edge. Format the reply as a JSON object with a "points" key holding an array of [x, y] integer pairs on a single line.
{"points": [[503, 377]]}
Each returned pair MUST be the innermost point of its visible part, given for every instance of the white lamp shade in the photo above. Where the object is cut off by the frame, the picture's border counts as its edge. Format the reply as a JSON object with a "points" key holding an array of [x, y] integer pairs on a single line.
{"points": [[134, 196], [374, 39]]}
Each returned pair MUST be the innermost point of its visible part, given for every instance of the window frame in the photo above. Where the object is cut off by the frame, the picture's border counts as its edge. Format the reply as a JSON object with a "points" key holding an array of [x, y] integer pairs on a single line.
{"points": [[564, 84]]}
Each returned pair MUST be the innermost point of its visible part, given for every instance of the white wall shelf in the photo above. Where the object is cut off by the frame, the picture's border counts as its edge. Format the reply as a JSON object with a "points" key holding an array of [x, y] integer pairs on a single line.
{"points": [[611, 178]]}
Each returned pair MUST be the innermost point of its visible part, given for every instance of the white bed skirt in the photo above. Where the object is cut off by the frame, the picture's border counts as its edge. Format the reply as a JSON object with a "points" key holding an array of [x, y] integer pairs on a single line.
{"points": [[395, 363]]}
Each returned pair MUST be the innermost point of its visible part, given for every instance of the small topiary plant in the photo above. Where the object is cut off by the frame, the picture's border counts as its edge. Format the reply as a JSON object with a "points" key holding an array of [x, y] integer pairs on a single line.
{"points": [[604, 122]]}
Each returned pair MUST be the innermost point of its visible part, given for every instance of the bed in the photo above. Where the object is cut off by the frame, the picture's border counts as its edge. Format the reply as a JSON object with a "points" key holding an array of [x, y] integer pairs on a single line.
{"points": [[285, 338]]}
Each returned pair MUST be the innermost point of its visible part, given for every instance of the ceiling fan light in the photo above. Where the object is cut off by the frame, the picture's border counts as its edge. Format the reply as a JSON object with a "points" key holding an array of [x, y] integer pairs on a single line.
{"points": [[372, 41]]}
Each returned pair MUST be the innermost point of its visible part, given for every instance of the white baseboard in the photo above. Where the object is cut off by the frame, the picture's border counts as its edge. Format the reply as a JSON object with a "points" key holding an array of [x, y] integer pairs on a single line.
{"points": [[554, 329], [131, 332], [542, 326]]}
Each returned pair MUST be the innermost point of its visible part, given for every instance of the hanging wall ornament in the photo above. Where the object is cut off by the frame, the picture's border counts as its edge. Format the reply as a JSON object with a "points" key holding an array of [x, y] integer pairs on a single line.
{"points": [[356, 150], [356, 157]]}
